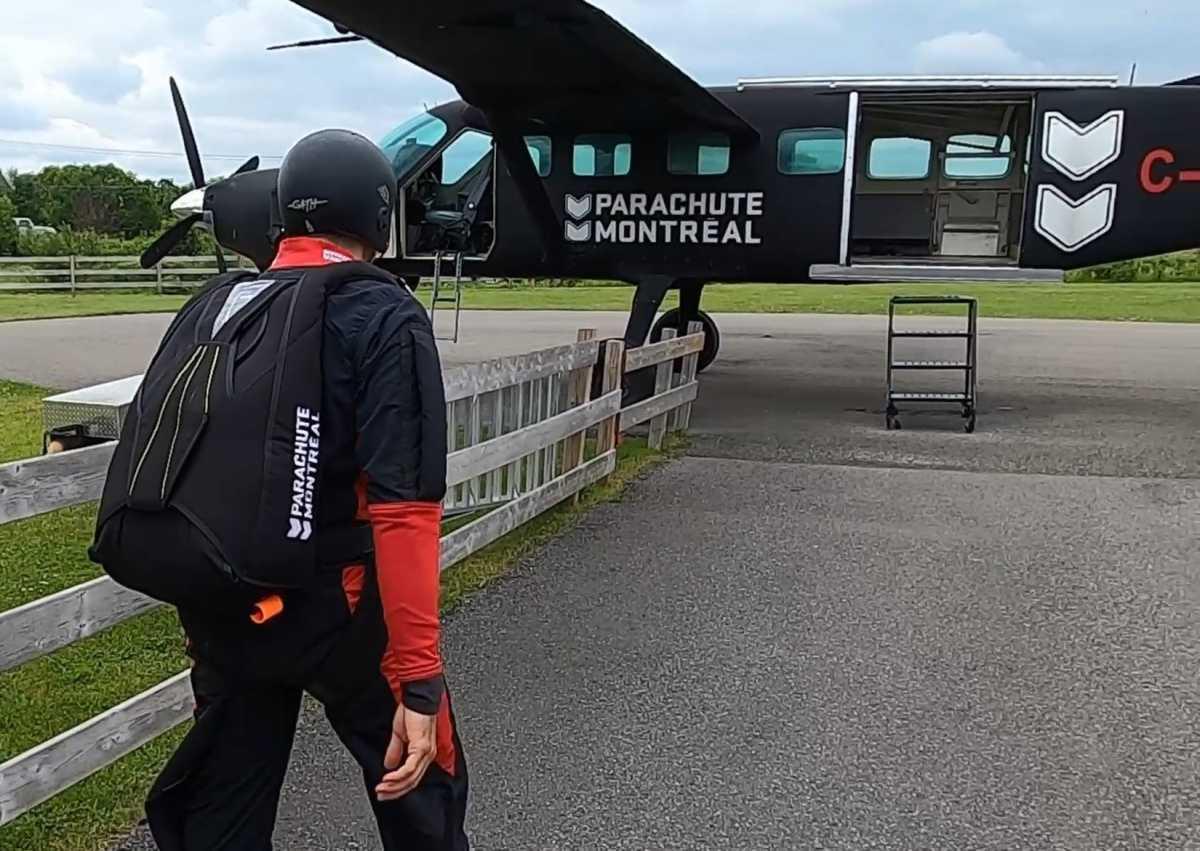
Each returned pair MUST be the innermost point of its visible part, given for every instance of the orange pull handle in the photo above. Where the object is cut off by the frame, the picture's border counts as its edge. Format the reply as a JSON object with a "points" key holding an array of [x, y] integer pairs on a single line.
{"points": [[266, 609]]}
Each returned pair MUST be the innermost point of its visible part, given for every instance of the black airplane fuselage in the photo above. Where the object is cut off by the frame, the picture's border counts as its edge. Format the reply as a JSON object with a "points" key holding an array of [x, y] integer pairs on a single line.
{"points": [[980, 177], [852, 180]]}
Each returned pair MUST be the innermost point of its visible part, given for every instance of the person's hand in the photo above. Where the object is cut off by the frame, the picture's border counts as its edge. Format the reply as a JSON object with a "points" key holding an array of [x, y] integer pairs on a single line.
{"points": [[414, 740]]}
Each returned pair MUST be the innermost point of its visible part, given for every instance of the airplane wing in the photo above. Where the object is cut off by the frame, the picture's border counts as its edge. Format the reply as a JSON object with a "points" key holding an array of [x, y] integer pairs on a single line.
{"points": [[538, 61]]}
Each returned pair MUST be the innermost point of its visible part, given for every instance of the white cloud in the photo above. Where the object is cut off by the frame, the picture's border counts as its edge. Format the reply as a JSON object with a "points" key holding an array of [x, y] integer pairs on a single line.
{"points": [[970, 52], [104, 82]]}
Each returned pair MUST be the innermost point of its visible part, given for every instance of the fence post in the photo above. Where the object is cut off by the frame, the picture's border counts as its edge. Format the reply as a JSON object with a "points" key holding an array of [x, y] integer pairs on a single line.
{"points": [[662, 383], [613, 370], [578, 390], [71, 272], [158, 277], [691, 364]]}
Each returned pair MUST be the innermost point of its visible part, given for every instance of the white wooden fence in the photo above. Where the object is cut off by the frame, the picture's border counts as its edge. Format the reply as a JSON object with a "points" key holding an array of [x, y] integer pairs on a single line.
{"points": [[74, 273], [526, 433]]}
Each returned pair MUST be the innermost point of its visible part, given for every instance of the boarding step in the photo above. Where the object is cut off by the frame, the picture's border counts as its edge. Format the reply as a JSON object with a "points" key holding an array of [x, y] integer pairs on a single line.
{"points": [[438, 297], [931, 364], [967, 365], [902, 272], [929, 397]]}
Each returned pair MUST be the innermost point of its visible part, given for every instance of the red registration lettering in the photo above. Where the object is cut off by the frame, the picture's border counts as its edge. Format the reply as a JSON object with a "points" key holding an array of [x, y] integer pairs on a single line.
{"points": [[1153, 185]]}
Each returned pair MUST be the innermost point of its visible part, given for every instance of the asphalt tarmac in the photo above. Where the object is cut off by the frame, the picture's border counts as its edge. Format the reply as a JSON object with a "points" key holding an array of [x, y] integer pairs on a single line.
{"points": [[815, 633]]}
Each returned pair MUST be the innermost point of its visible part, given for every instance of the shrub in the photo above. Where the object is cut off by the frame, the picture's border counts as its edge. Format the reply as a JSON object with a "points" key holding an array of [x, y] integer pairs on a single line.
{"points": [[8, 228]]}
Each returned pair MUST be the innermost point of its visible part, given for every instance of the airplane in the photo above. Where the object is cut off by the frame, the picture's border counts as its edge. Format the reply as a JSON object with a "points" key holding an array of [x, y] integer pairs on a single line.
{"points": [[578, 151]]}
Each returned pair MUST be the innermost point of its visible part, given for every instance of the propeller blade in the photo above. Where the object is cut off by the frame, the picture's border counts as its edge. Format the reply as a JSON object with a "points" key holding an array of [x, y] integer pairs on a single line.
{"points": [[316, 42], [249, 165], [171, 237], [189, 138]]}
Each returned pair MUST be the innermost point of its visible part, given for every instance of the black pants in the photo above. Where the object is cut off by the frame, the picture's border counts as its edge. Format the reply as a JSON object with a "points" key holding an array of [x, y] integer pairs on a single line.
{"points": [[220, 790]]}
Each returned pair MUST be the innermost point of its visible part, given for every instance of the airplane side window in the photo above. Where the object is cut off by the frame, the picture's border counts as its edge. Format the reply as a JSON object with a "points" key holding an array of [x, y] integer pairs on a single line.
{"points": [[464, 154], [540, 149], [978, 156], [814, 150], [698, 154], [899, 158], [603, 155]]}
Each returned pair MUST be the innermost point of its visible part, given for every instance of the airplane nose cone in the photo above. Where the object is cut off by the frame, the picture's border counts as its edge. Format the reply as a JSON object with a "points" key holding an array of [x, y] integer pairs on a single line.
{"points": [[189, 203]]}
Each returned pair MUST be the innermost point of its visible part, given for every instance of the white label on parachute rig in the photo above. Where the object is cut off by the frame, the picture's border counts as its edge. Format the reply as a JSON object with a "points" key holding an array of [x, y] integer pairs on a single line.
{"points": [[305, 452]]}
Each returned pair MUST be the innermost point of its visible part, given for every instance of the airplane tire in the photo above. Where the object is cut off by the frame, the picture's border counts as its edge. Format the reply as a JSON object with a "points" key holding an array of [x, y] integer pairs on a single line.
{"points": [[712, 336]]}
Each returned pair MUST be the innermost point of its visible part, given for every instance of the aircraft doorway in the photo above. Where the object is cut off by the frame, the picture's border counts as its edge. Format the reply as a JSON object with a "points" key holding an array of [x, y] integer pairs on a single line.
{"points": [[450, 205], [939, 180]]}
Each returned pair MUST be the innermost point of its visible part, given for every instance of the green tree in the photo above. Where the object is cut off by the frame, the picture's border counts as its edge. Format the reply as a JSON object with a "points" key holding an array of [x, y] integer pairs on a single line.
{"points": [[24, 195], [8, 228], [103, 198]]}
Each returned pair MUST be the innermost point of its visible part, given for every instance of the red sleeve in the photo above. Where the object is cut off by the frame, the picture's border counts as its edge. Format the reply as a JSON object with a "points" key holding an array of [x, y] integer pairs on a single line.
{"points": [[400, 419], [407, 548]]}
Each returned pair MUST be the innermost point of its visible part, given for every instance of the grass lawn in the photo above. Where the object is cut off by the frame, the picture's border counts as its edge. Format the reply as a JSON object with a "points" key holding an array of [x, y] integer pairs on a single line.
{"points": [[21, 414], [54, 305], [1148, 302], [50, 695]]}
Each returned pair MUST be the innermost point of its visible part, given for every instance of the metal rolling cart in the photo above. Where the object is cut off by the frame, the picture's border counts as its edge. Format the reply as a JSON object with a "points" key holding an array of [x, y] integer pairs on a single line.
{"points": [[88, 416], [967, 398]]}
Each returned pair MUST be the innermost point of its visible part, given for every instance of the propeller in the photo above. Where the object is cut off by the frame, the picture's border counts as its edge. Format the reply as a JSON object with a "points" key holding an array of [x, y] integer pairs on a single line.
{"points": [[169, 238], [190, 207], [189, 138]]}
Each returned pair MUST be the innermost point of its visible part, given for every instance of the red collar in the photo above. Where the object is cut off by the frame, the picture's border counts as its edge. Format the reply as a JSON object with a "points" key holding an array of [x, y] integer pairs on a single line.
{"points": [[298, 251]]}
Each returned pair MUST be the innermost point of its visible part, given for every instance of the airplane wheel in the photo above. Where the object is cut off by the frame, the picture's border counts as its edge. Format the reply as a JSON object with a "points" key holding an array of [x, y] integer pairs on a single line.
{"points": [[712, 336]]}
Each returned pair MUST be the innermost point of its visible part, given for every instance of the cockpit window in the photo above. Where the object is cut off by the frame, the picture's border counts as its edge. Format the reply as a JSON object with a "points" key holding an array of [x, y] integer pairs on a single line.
{"points": [[540, 149], [405, 145]]}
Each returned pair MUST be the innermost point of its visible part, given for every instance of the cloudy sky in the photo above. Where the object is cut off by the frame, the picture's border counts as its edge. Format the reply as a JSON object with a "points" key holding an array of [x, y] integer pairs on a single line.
{"points": [[93, 75]]}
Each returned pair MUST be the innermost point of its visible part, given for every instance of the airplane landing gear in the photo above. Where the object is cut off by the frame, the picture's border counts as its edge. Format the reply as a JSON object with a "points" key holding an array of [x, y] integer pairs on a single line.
{"points": [[712, 336], [647, 299]]}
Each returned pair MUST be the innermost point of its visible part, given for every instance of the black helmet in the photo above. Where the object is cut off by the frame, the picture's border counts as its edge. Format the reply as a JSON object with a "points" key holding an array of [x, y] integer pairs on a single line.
{"points": [[337, 182]]}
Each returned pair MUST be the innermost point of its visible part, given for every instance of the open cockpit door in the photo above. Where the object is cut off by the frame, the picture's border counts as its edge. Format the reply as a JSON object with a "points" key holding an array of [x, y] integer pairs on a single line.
{"points": [[1115, 175]]}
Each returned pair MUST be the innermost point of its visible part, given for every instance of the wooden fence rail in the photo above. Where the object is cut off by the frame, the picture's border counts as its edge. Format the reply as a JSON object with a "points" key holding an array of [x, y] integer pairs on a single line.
{"points": [[517, 429]]}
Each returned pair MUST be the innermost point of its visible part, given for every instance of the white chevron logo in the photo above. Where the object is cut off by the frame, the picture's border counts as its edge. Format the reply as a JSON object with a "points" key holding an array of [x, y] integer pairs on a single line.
{"points": [[1081, 151], [1073, 224], [579, 208], [300, 529], [579, 233]]}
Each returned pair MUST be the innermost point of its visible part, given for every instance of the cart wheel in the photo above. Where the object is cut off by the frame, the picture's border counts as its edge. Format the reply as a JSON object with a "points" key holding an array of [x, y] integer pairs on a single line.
{"points": [[969, 426]]}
